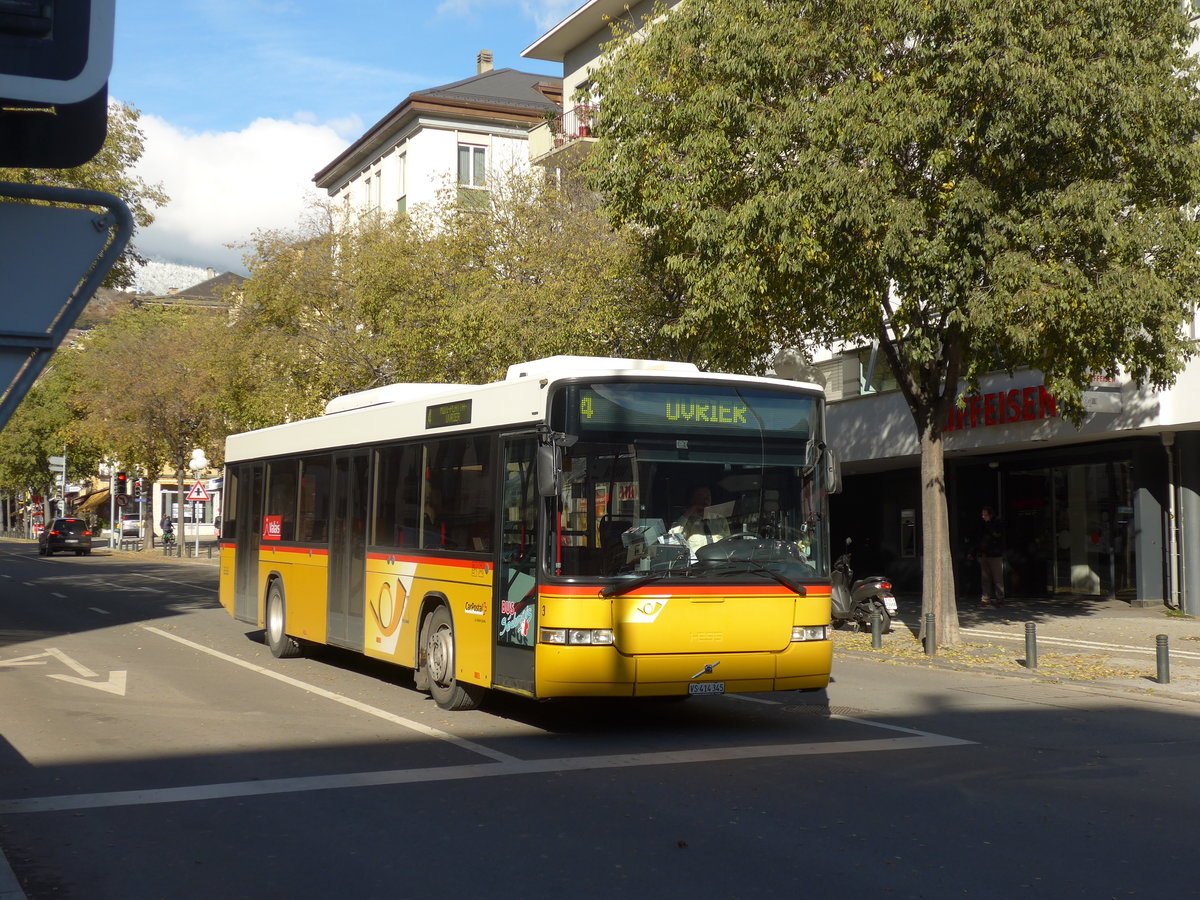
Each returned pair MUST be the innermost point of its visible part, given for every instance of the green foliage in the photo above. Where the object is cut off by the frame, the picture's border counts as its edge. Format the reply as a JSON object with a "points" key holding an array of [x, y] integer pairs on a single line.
{"points": [[148, 384], [976, 186], [451, 296], [111, 171], [44, 425], [980, 186]]}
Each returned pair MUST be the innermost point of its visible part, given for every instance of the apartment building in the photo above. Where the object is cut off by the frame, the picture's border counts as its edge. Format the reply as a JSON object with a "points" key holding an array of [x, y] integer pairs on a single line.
{"points": [[458, 136]]}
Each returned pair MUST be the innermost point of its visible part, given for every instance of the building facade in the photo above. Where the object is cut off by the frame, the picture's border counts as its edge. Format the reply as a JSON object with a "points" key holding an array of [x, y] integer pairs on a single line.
{"points": [[1109, 509], [458, 137]]}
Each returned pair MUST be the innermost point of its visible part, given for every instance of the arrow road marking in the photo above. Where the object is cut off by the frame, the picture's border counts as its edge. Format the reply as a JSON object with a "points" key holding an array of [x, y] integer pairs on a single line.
{"points": [[78, 668], [114, 685], [38, 659]]}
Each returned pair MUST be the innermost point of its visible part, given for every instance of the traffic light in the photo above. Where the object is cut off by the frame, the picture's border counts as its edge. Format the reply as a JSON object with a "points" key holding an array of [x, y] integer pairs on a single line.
{"points": [[122, 484], [137, 489]]}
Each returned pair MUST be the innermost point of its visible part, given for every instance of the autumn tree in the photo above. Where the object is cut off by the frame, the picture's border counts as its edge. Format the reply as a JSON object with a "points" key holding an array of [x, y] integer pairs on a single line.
{"points": [[451, 294], [148, 385], [977, 187]]}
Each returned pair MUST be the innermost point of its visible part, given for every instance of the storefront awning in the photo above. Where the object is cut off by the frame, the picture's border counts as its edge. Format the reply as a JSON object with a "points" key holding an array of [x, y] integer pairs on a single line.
{"points": [[93, 501]]}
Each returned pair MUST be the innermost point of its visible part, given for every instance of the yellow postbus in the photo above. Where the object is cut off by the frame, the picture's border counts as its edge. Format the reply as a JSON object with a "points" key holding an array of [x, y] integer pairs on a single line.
{"points": [[585, 527]]}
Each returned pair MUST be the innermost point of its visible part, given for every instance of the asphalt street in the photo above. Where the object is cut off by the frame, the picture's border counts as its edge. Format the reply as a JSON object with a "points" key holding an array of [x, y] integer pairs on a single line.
{"points": [[152, 747]]}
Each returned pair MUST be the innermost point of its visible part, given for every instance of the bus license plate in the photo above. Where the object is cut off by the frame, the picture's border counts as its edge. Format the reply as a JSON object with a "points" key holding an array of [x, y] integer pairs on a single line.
{"points": [[707, 687]]}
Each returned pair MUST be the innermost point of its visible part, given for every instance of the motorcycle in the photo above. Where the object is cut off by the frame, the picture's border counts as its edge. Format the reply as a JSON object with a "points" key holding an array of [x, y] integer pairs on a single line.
{"points": [[854, 601]]}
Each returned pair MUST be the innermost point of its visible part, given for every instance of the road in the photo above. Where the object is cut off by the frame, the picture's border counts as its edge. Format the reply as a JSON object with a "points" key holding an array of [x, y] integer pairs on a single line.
{"points": [[152, 747]]}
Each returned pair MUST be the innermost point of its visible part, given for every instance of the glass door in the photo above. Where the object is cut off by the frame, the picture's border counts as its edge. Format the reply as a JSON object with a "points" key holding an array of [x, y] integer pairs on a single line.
{"points": [[516, 599]]}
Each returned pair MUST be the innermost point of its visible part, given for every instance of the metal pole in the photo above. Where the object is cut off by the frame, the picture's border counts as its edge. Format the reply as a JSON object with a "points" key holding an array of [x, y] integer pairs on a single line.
{"points": [[112, 505], [1164, 659], [876, 630], [930, 635], [1031, 661]]}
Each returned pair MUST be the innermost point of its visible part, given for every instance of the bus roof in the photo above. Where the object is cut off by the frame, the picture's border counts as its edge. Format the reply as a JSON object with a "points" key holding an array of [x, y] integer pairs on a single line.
{"points": [[405, 410]]}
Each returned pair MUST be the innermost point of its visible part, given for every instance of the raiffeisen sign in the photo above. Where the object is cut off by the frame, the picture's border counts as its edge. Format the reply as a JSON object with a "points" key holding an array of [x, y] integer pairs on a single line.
{"points": [[1027, 404]]}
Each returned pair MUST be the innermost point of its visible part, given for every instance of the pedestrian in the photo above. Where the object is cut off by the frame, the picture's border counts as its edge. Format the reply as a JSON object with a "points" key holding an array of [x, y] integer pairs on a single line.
{"points": [[989, 550]]}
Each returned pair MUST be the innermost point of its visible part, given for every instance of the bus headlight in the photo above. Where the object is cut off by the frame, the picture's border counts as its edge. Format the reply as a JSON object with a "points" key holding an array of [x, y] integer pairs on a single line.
{"points": [[576, 636], [810, 632]]}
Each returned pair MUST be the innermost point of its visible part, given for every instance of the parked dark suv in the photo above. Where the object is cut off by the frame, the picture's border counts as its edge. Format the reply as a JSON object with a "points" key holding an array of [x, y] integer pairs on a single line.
{"points": [[65, 534]]}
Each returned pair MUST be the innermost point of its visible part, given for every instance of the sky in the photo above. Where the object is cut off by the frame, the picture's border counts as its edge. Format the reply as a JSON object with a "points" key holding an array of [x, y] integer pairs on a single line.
{"points": [[243, 101]]}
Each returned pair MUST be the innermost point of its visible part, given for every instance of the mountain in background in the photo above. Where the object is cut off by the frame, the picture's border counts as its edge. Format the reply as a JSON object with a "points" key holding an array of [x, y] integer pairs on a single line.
{"points": [[158, 278]]}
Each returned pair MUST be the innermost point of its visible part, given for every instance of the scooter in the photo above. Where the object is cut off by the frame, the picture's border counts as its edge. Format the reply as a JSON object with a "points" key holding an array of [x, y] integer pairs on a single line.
{"points": [[854, 601]]}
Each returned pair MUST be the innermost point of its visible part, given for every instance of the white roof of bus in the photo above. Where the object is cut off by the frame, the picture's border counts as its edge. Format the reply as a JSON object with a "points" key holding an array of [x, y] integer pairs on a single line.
{"points": [[398, 410]]}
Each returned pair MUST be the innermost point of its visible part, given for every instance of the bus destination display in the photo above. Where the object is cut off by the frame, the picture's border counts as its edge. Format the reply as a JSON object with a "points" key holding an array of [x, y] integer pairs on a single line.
{"points": [[444, 415], [678, 408]]}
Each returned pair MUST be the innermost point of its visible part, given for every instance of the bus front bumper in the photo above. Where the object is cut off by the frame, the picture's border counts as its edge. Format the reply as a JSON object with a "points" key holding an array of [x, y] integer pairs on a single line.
{"points": [[589, 671]]}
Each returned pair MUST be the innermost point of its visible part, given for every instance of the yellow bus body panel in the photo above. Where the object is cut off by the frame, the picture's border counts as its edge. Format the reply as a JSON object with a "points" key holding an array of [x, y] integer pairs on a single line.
{"points": [[225, 587], [400, 589], [305, 575]]}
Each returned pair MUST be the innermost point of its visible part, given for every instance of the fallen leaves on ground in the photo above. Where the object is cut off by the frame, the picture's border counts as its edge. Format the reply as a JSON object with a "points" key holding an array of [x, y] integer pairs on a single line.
{"points": [[902, 646]]}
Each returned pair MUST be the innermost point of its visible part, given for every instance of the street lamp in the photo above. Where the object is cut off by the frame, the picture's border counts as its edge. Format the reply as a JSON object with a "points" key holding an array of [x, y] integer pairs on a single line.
{"points": [[198, 463]]}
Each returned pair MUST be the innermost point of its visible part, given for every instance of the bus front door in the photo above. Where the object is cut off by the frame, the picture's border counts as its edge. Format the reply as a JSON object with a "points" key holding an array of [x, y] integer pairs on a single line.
{"points": [[516, 598], [347, 549]]}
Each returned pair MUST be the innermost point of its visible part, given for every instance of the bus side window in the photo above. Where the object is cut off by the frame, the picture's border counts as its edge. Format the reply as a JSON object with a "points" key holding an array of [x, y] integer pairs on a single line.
{"points": [[281, 495]]}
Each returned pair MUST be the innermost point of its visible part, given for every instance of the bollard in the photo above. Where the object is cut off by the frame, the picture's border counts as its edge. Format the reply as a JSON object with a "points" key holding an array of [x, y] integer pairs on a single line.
{"points": [[876, 630], [1030, 645], [1164, 659], [930, 635]]}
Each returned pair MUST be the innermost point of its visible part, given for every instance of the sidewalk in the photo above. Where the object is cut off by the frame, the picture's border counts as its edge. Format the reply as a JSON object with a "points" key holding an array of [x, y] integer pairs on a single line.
{"points": [[1082, 640]]}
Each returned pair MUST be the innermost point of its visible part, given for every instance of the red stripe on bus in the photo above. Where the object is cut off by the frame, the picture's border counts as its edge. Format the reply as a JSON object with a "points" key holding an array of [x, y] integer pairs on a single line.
{"points": [[432, 560], [311, 551], [737, 590]]}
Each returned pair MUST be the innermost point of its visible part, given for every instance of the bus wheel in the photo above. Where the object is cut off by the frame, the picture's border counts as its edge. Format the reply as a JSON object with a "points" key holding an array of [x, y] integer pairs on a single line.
{"points": [[439, 665], [280, 643]]}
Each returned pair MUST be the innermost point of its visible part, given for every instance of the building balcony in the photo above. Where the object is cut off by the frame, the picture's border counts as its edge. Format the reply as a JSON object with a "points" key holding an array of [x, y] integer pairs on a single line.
{"points": [[563, 139]]}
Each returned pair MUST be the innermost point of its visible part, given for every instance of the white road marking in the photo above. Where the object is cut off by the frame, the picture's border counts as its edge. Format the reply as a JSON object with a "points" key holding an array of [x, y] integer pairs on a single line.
{"points": [[78, 668], [186, 584], [103, 612], [114, 685], [460, 773], [340, 698], [750, 699], [58, 596]]}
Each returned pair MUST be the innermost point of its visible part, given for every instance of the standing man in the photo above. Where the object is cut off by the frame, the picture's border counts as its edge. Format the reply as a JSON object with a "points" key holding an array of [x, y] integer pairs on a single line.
{"points": [[990, 552]]}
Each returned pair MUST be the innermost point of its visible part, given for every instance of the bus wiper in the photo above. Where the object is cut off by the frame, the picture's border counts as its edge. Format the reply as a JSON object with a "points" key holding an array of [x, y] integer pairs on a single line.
{"points": [[624, 587], [735, 564]]}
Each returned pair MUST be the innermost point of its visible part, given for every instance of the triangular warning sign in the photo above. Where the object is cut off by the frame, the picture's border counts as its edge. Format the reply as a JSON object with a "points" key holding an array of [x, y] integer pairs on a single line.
{"points": [[198, 493]]}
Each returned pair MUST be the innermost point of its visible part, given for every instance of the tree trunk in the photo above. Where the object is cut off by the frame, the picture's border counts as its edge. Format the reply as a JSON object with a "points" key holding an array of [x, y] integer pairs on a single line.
{"points": [[937, 584]]}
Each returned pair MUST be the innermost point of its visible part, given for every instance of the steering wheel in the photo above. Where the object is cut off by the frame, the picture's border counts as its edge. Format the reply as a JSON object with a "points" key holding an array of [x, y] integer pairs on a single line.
{"points": [[743, 536]]}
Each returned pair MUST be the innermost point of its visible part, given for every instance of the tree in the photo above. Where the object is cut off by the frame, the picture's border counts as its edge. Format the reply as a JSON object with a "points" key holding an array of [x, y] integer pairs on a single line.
{"points": [[111, 171], [43, 426], [149, 385], [977, 187], [448, 295]]}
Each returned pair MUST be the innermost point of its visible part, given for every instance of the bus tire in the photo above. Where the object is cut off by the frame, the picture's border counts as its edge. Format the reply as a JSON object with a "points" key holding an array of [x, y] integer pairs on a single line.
{"points": [[282, 645], [439, 649]]}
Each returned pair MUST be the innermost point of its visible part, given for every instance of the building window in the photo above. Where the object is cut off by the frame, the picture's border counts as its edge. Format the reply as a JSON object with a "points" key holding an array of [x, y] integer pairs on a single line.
{"points": [[472, 175], [881, 375], [402, 182]]}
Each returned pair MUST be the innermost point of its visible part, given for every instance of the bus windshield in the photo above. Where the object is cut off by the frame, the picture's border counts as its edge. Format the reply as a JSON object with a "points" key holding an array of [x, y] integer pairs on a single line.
{"points": [[683, 480]]}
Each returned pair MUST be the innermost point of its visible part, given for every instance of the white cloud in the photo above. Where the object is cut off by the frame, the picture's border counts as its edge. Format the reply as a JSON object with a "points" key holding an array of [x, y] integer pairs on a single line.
{"points": [[224, 186], [544, 13]]}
